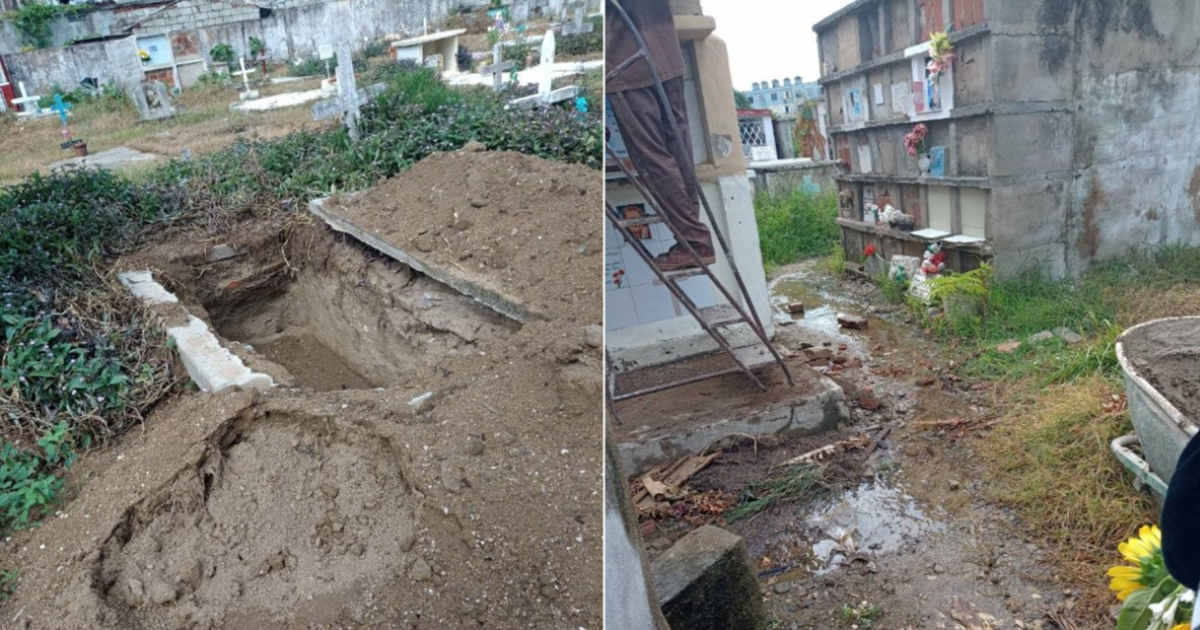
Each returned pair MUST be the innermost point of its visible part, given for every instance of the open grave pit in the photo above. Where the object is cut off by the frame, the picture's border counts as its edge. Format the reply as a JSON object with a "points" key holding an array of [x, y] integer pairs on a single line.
{"points": [[318, 310]]}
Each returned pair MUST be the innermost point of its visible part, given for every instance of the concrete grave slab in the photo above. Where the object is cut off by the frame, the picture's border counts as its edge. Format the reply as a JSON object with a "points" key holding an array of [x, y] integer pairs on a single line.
{"points": [[663, 427], [474, 285], [210, 365], [107, 159]]}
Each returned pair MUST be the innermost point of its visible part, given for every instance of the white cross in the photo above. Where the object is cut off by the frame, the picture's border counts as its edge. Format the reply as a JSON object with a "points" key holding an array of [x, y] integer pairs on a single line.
{"points": [[349, 98], [547, 95], [578, 26], [498, 67], [28, 104], [245, 74]]}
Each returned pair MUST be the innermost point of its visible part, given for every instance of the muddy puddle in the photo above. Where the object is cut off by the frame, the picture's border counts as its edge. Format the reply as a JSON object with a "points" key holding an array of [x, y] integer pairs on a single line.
{"points": [[900, 525]]}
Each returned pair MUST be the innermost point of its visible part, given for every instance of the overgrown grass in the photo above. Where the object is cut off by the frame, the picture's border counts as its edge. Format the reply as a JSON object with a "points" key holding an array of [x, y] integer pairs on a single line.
{"points": [[1050, 461], [799, 483], [796, 225]]}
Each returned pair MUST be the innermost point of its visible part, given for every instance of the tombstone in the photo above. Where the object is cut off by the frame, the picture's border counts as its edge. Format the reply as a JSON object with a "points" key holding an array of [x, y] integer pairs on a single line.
{"points": [[547, 95], [577, 26], [152, 102], [498, 67], [28, 104], [246, 93], [349, 98]]}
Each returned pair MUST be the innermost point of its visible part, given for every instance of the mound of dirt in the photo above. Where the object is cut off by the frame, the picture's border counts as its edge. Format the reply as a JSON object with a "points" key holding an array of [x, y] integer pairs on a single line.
{"points": [[519, 220], [462, 493]]}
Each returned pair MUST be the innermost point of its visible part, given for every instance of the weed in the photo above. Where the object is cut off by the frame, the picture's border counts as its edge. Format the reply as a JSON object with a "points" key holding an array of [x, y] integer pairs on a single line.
{"points": [[862, 615], [8, 583], [894, 290], [797, 484], [835, 263], [796, 225], [28, 485], [222, 53]]}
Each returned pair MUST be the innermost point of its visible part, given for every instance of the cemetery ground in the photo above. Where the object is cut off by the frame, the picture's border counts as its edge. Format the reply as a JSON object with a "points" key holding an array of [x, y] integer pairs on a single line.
{"points": [[422, 462], [974, 486]]}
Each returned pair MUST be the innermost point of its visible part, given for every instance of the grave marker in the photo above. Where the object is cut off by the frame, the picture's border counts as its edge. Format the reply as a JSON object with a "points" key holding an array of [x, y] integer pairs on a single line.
{"points": [[349, 98], [28, 104], [246, 93], [578, 26], [498, 67], [547, 95], [61, 107], [152, 102]]}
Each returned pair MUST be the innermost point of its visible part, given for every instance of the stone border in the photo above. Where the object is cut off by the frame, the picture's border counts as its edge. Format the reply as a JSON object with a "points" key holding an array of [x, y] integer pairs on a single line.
{"points": [[210, 365], [466, 284]]}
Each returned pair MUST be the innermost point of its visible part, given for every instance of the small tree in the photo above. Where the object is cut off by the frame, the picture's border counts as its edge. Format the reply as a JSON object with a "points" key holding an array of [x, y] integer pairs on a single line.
{"points": [[257, 47], [741, 100]]}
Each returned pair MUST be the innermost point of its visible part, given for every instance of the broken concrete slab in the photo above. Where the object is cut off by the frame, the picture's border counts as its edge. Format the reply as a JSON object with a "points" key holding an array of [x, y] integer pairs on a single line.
{"points": [[108, 159], [665, 426], [705, 582], [1041, 337], [1009, 347], [225, 252], [467, 283], [852, 322], [1068, 335], [210, 365]]}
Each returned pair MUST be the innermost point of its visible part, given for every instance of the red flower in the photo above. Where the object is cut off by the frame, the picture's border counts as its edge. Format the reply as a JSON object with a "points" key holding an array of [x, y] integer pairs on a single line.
{"points": [[869, 251]]}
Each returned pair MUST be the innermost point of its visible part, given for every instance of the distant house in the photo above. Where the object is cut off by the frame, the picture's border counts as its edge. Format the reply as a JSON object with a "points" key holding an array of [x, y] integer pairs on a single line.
{"points": [[786, 98]]}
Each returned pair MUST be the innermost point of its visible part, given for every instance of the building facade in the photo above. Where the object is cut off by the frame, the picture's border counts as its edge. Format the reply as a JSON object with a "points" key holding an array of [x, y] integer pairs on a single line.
{"points": [[783, 99], [1057, 136]]}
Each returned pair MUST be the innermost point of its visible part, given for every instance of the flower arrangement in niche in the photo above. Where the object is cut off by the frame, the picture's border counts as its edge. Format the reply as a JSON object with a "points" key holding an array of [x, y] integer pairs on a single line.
{"points": [[941, 54], [914, 141], [1151, 598], [144, 56]]}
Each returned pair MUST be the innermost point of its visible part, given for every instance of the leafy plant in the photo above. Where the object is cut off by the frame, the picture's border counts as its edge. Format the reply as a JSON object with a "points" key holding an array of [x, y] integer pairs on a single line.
{"points": [[970, 285], [8, 583], [863, 615], [28, 485], [222, 53], [377, 48], [257, 47], [33, 20]]}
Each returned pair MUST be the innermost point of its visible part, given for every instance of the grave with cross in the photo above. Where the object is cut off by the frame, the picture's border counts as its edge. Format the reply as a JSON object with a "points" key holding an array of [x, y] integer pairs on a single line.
{"points": [[547, 95], [349, 99], [498, 67], [28, 104], [62, 108], [577, 25], [246, 93]]}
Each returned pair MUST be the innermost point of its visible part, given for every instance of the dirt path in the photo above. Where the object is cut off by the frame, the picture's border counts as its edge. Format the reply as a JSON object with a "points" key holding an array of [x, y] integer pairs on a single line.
{"points": [[902, 538]]}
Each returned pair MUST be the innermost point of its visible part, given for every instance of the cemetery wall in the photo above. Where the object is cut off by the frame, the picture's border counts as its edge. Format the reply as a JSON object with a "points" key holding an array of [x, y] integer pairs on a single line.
{"points": [[1096, 145], [41, 70], [83, 25]]}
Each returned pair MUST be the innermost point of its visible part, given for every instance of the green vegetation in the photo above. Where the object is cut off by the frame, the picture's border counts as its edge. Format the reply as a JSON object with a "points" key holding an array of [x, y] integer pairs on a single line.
{"points": [[8, 583], [797, 484], [81, 361], [257, 47], [222, 53], [863, 615], [33, 19], [796, 225], [28, 486], [583, 43]]}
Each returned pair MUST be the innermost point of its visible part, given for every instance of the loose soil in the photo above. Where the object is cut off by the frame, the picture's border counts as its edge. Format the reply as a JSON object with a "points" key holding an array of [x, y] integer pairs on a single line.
{"points": [[900, 523], [493, 213], [1167, 355], [462, 493]]}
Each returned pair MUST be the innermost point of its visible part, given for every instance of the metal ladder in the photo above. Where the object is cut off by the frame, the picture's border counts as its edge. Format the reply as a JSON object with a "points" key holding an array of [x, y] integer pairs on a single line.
{"points": [[715, 320]]}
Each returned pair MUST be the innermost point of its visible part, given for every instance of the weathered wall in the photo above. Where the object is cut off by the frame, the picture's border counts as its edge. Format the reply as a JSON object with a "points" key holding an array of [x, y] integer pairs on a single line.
{"points": [[40, 70], [83, 25], [1100, 143], [786, 178]]}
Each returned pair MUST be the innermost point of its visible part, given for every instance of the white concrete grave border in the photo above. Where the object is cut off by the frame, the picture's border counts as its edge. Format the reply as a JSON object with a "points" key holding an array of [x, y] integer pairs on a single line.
{"points": [[210, 365]]}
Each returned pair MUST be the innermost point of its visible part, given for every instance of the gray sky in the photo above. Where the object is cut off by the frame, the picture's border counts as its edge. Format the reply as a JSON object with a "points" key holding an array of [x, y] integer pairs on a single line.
{"points": [[770, 39]]}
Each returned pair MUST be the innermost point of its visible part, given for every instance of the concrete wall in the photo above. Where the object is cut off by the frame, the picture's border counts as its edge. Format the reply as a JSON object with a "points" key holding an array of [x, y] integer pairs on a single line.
{"points": [[1099, 146], [82, 25], [787, 177], [114, 60]]}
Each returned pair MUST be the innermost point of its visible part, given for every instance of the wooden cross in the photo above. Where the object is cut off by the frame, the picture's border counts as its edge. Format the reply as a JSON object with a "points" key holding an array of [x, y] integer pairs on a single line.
{"points": [[498, 67]]}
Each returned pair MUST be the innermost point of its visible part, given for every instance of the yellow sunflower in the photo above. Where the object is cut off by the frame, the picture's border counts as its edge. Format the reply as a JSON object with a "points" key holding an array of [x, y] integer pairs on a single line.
{"points": [[1144, 553]]}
